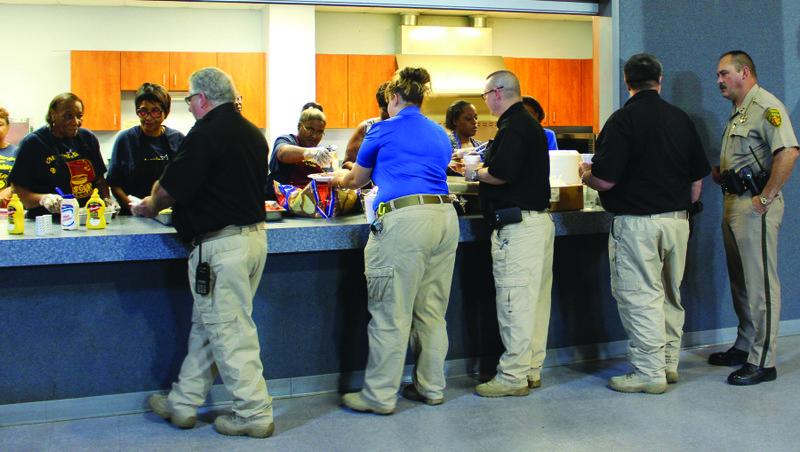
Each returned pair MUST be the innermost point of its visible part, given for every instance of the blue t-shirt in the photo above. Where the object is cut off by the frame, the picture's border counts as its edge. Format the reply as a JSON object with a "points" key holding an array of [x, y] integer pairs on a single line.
{"points": [[7, 156], [408, 155], [551, 140]]}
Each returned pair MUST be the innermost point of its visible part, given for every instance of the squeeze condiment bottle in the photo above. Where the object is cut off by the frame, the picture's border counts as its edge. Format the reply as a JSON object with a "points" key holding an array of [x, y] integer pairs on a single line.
{"points": [[95, 212], [16, 215], [70, 218]]}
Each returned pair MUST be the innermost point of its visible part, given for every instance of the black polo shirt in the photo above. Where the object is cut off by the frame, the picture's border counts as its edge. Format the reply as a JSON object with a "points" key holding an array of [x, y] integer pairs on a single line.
{"points": [[518, 155], [651, 150], [219, 174]]}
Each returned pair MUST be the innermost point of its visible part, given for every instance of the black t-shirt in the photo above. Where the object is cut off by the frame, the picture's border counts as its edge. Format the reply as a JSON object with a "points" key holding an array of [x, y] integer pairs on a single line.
{"points": [[518, 155], [219, 174], [651, 150], [45, 162]]}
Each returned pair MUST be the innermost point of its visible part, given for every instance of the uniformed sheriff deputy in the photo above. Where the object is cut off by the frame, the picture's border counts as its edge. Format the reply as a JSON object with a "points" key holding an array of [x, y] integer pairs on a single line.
{"points": [[759, 149]]}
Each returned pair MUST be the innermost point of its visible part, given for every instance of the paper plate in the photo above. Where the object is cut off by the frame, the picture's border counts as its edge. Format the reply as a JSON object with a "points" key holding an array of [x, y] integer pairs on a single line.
{"points": [[321, 177]]}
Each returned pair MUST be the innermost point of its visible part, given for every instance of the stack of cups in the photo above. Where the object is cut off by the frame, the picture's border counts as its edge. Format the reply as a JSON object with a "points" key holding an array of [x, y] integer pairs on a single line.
{"points": [[589, 194], [44, 225], [369, 199]]}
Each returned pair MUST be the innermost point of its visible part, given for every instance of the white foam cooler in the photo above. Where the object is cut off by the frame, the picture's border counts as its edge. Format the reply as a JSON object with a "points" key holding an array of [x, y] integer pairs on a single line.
{"points": [[564, 168]]}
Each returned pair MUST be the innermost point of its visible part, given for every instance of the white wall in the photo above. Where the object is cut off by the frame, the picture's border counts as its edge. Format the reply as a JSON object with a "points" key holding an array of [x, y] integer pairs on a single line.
{"points": [[358, 34], [542, 38], [38, 40]]}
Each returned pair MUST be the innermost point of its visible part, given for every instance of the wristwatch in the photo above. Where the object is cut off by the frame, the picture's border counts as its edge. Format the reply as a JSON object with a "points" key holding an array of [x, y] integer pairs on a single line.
{"points": [[765, 201], [474, 176]]}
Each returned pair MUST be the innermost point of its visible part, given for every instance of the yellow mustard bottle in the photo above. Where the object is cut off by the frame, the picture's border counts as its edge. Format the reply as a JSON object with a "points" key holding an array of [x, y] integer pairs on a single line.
{"points": [[95, 212], [16, 215]]}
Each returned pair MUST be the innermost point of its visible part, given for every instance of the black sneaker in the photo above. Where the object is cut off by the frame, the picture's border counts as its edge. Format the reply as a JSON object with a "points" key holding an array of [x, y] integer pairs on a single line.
{"points": [[732, 357]]}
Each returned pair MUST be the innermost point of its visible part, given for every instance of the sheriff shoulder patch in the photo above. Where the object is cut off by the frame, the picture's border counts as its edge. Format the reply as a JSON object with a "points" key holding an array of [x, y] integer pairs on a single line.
{"points": [[773, 116]]}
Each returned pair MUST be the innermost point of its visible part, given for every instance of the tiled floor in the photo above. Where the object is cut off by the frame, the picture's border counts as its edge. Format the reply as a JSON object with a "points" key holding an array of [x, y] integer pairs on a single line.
{"points": [[573, 411]]}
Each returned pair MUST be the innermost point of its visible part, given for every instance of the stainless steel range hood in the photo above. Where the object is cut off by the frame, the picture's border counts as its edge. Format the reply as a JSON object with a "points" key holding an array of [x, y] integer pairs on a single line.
{"points": [[458, 58], [455, 75]]}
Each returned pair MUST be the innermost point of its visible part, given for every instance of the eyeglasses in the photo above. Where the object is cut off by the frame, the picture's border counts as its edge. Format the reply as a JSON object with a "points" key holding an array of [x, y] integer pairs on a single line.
{"points": [[483, 96], [188, 98], [153, 113], [312, 132]]}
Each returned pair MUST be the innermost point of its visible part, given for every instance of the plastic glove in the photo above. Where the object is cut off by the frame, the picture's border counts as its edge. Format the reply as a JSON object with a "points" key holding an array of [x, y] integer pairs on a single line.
{"points": [[51, 202], [318, 155], [111, 205]]}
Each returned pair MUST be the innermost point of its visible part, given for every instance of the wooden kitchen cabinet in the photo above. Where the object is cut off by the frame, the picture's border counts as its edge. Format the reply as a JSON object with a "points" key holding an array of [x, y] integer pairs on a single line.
{"points": [[562, 86], [566, 105], [346, 86], [332, 78], [249, 73], [367, 72], [143, 67], [587, 92], [182, 64], [95, 78]]}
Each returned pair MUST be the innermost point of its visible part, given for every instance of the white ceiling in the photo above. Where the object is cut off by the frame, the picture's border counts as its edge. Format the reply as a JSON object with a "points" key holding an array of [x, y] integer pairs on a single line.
{"points": [[329, 9]]}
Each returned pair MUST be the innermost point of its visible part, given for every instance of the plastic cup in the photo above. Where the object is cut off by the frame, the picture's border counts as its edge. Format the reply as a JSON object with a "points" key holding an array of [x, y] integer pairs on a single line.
{"points": [[587, 158], [471, 161]]}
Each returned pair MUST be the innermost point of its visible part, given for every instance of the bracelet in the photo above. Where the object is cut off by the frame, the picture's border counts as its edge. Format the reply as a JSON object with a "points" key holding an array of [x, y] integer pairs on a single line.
{"points": [[583, 176]]}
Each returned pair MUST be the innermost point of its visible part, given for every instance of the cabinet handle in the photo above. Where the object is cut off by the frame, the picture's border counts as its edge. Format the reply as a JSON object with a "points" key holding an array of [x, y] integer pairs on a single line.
{"points": [[115, 119], [554, 118], [176, 80], [164, 79], [354, 118], [344, 119]]}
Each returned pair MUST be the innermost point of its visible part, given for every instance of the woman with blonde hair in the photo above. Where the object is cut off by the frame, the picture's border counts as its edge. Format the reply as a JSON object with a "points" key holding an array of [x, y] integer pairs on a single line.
{"points": [[411, 251]]}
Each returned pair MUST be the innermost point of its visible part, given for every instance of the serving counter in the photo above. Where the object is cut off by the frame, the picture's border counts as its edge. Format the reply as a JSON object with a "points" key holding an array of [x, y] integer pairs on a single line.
{"points": [[93, 321], [137, 239]]}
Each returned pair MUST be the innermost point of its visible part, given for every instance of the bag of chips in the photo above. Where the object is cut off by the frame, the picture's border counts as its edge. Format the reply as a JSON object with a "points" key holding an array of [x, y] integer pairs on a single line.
{"points": [[316, 200]]}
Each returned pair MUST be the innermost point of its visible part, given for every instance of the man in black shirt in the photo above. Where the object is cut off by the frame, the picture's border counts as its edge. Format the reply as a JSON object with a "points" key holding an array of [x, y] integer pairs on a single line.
{"points": [[216, 184], [515, 184], [648, 169]]}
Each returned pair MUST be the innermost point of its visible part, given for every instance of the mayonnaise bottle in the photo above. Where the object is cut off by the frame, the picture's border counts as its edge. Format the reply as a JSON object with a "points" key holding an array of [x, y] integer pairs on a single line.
{"points": [[95, 212], [70, 216], [16, 216]]}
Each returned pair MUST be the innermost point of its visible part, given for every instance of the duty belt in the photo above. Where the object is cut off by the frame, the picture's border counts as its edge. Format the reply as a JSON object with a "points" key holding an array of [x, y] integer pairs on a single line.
{"points": [[228, 231], [411, 200]]}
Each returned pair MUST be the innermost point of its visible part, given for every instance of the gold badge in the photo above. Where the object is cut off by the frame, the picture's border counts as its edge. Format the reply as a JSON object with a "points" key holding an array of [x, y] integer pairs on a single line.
{"points": [[773, 116]]}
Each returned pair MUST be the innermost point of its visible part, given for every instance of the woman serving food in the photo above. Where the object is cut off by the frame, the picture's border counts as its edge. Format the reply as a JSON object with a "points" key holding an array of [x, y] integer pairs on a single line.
{"points": [[296, 156]]}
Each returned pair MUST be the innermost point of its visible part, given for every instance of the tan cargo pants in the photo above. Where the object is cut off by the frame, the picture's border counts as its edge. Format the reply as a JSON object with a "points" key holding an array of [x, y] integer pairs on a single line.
{"points": [[224, 340], [647, 257], [522, 263], [409, 269]]}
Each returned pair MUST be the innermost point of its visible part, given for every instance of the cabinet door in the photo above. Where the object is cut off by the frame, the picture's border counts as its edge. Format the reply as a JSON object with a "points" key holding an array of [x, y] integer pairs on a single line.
{"points": [[249, 72], [534, 80], [332, 89], [587, 92], [182, 64], [95, 78], [566, 108], [143, 67], [366, 73]]}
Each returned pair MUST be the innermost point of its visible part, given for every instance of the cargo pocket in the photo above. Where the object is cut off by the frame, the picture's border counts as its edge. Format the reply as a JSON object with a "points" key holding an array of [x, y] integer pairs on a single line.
{"points": [[623, 277], [380, 284]]}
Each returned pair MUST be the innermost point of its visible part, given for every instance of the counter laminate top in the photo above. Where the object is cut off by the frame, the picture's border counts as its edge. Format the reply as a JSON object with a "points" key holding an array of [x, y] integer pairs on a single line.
{"points": [[135, 239]]}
